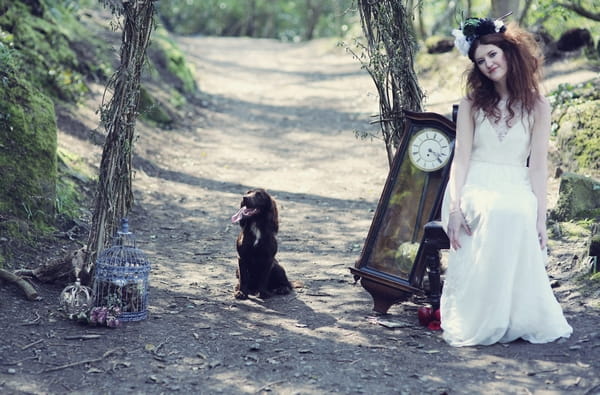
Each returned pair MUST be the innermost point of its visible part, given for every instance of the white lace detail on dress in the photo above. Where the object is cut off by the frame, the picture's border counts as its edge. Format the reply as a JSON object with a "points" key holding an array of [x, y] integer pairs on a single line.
{"points": [[503, 125]]}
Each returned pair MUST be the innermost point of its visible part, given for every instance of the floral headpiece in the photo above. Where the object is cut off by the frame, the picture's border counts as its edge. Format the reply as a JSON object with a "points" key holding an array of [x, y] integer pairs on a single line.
{"points": [[473, 28]]}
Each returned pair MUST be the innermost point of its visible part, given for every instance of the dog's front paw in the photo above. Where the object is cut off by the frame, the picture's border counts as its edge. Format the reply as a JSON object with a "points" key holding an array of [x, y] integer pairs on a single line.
{"points": [[240, 295], [264, 294], [284, 290]]}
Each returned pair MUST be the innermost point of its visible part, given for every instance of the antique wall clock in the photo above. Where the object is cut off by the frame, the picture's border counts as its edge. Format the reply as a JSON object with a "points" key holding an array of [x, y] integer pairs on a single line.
{"points": [[392, 262]]}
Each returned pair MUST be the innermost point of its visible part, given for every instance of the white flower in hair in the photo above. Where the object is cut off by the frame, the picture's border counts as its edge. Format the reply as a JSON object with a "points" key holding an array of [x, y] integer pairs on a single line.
{"points": [[498, 25], [460, 42]]}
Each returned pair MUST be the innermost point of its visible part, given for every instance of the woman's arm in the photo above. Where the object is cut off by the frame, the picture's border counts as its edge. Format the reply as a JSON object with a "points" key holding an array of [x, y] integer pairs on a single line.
{"points": [[458, 172], [538, 163]]}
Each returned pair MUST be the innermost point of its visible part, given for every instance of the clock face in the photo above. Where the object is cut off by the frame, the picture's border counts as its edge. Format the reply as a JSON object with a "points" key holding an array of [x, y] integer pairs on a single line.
{"points": [[429, 149]]}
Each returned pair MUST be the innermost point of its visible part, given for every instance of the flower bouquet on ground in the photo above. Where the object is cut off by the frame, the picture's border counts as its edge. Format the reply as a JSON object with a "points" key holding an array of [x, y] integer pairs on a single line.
{"points": [[100, 316], [430, 318]]}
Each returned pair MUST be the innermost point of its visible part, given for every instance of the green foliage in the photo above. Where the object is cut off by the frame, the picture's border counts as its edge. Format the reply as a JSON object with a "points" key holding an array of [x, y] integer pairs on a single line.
{"points": [[556, 20], [283, 19], [568, 94]]}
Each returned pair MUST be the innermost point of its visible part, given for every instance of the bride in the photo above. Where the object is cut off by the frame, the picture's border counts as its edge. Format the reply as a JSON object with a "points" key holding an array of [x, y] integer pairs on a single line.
{"points": [[494, 210]]}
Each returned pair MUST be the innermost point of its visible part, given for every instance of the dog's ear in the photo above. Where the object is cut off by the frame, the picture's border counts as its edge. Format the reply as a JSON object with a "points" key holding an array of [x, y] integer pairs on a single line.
{"points": [[273, 215]]}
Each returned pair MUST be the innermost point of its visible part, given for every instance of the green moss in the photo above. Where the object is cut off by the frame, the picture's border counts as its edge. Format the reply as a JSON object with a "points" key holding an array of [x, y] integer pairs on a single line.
{"points": [[152, 110], [167, 56], [176, 99], [575, 124], [74, 166], [43, 48], [67, 198], [574, 230], [586, 144], [71, 173], [27, 151], [578, 198]]}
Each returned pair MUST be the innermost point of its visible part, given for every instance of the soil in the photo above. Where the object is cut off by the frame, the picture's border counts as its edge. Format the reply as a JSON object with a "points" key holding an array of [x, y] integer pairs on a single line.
{"points": [[279, 116]]}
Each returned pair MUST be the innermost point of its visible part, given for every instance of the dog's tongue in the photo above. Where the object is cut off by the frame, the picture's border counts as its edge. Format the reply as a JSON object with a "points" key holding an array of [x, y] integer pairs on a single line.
{"points": [[243, 212]]}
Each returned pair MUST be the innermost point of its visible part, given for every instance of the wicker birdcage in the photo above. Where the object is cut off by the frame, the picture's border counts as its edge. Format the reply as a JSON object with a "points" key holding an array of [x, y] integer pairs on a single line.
{"points": [[121, 277]]}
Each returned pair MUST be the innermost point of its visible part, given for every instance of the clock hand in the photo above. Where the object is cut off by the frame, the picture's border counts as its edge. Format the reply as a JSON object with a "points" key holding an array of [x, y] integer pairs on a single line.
{"points": [[437, 154]]}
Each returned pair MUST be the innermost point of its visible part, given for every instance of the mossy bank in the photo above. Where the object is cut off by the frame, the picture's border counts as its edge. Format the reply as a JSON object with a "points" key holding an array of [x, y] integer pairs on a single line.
{"points": [[49, 53]]}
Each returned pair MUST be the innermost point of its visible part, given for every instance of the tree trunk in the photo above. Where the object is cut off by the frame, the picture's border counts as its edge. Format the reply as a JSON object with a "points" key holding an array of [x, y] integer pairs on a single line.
{"points": [[313, 15], [114, 196], [391, 47], [422, 31]]}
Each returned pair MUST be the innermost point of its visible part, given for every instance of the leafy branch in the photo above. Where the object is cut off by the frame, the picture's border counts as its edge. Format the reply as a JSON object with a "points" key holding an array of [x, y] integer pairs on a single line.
{"points": [[390, 48]]}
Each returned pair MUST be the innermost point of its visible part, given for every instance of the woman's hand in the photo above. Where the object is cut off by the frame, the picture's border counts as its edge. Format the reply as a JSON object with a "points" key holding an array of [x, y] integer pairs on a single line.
{"points": [[455, 223], [542, 234]]}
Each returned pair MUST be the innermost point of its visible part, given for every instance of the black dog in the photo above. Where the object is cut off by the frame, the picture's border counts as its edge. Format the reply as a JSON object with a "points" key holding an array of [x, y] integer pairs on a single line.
{"points": [[258, 270]]}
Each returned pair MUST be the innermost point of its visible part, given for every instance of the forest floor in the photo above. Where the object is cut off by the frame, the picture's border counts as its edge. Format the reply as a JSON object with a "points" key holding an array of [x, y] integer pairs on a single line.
{"points": [[279, 116]]}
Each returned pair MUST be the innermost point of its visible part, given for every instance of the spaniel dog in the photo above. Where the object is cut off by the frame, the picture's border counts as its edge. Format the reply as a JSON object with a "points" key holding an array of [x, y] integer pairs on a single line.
{"points": [[258, 271]]}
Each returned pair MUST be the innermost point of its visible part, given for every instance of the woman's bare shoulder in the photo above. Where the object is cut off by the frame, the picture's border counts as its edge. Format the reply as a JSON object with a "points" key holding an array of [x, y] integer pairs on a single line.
{"points": [[541, 102], [466, 102], [541, 106]]}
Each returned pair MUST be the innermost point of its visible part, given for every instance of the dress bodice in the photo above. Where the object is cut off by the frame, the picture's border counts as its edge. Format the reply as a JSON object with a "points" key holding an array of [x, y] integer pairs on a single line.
{"points": [[512, 150]]}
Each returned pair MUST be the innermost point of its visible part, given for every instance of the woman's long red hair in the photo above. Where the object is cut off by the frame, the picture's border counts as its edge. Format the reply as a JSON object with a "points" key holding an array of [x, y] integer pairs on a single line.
{"points": [[524, 61]]}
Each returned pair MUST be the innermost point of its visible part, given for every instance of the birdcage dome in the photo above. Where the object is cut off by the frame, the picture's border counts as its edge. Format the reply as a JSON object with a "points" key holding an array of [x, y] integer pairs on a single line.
{"points": [[121, 277]]}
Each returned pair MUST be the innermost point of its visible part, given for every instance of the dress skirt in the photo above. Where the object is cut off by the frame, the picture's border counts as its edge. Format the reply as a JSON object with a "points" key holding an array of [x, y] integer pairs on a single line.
{"points": [[496, 288]]}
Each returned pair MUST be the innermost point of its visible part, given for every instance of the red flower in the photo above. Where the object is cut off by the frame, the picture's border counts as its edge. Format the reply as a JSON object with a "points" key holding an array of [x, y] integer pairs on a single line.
{"points": [[435, 325], [425, 315]]}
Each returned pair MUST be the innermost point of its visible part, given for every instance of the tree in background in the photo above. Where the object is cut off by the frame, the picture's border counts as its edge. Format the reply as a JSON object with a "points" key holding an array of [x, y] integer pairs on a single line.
{"points": [[589, 9], [282, 19]]}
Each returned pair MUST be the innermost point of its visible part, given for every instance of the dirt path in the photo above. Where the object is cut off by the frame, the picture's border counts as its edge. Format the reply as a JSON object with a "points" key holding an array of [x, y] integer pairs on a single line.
{"points": [[279, 116]]}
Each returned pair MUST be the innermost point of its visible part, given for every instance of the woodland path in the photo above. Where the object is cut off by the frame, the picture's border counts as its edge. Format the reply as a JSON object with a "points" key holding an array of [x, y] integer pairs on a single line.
{"points": [[279, 116]]}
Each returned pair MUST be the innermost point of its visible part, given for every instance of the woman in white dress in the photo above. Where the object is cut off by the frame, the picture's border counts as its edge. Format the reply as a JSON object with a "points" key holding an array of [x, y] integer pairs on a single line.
{"points": [[496, 287]]}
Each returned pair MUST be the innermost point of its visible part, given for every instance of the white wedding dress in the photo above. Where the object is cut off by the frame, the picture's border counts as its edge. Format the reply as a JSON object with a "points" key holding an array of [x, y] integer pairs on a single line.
{"points": [[496, 288]]}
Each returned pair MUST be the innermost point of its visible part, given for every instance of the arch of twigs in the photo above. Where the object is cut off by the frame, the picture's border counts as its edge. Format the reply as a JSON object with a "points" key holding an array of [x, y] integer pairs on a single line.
{"points": [[391, 46], [118, 115]]}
